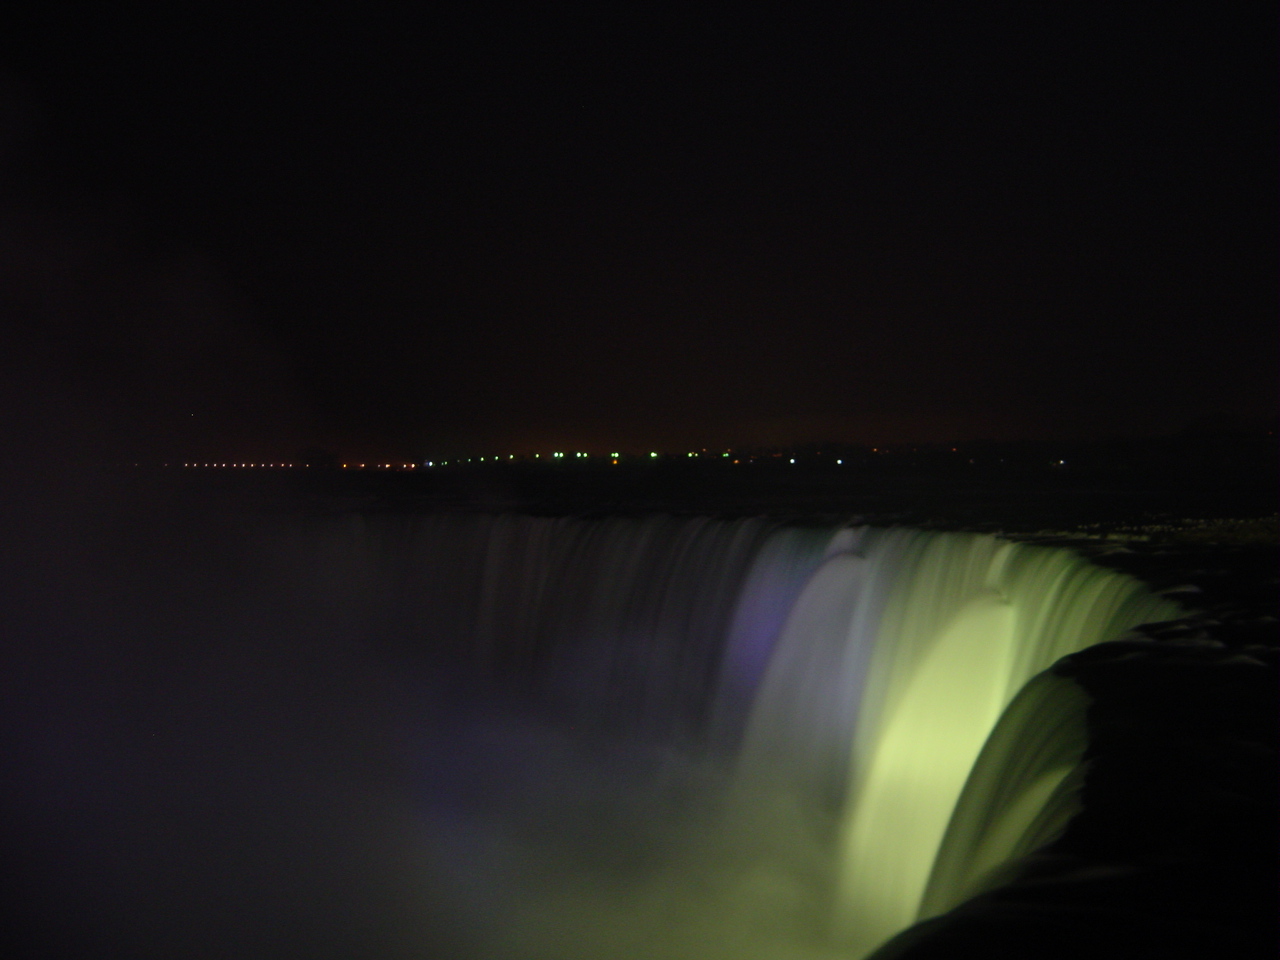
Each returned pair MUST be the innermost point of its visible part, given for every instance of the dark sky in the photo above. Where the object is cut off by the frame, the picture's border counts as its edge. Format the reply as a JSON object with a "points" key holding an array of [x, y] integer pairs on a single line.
{"points": [[570, 226]]}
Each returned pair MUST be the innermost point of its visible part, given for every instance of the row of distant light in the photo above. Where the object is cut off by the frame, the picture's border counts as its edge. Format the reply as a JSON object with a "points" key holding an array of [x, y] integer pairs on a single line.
{"points": [[512, 456], [537, 456], [613, 456], [433, 463], [264, 466], [281, 466]]}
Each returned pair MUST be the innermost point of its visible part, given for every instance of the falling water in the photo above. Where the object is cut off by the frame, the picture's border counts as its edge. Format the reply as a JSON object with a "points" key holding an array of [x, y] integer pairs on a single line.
{"points": [[932, 635], [554, 738], [859, 670]]}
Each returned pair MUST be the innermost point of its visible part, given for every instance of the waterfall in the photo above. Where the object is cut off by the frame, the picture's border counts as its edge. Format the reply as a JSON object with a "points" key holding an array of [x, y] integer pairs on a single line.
{"points": [[860, 669], [503, 736]]}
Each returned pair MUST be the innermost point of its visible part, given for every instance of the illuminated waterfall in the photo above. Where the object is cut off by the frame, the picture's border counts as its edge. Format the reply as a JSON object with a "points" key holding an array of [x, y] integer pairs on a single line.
{"points": [[899, 655], [862, 669], [1019, 795]]}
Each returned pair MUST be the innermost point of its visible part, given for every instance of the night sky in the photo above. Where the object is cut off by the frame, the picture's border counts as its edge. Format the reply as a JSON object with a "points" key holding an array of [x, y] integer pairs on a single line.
{"points": [[598, 226]]}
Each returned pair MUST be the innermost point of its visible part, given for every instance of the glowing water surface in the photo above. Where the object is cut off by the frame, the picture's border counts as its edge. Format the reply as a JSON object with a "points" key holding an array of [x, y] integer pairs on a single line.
{"points": [[779, 726]]}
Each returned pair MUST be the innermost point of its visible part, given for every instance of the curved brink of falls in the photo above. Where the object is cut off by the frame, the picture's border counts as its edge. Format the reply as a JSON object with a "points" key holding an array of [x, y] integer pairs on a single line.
{"points": [[1019, 796], [897, 661], [859, 671]]}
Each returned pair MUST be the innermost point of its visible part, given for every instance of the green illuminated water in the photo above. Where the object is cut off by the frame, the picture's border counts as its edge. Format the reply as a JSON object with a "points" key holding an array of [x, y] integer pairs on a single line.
{"points": [[898, 660], [850, 677]]}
